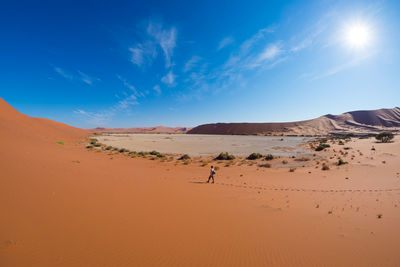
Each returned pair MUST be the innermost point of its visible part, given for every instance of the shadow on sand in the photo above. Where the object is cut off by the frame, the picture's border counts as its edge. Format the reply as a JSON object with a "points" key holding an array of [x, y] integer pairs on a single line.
{"points": [[197, 182]]}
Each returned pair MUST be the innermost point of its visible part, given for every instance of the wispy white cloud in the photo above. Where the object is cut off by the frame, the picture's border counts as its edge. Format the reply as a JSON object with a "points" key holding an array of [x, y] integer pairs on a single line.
{"points": [[165, 38], [252, 55], [339, 68], [103, 117], [225, 42], [191, 63], [95, 119], [247, 45], [63, 73], [143, 53], [125, 103], [157, 89], [270, 52], [137, 55], [86, 78], [81, 76], [130, 86], [169, 79], [157, 36], [302, 45], [309, 36]]}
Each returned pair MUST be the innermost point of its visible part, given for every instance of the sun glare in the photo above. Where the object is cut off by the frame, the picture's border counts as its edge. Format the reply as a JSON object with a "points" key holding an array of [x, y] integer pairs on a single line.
{"points": [[357, 35]]}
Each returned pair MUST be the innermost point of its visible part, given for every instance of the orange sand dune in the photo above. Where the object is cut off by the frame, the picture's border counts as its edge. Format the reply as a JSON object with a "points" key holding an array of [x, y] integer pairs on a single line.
{"points": [[63, 205], [358, 122]]}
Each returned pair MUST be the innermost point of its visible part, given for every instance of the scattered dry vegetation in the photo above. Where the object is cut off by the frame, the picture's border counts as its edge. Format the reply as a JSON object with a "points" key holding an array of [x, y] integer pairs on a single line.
{"points": [[225, 156]]}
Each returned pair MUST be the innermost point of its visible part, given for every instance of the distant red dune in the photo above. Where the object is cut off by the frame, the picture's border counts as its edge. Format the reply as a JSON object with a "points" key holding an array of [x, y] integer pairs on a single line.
{"points": [[362, 122]]}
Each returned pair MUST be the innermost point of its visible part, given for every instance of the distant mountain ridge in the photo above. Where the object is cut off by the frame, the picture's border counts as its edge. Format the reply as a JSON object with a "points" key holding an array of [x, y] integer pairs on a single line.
{"points": [[357, 122]]}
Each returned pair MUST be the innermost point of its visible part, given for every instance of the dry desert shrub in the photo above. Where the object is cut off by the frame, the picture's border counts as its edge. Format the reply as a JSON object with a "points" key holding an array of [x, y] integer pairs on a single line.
{"points": [[384, 137], [133, 154], [93, 141], [184, 157], [254, 156], [325, 167], [157, 154], [269, 157], [225, 156], [142, 154], [322, 146], [341, 162]]}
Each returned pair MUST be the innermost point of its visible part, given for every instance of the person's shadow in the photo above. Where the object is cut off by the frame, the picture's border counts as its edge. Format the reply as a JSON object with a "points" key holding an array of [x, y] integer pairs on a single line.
{"points": [[197, 182]]}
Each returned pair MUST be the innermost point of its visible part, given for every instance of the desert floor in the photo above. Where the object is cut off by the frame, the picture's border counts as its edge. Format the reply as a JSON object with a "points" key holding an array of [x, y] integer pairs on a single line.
{"points": [[64, 205], [209, 145]]}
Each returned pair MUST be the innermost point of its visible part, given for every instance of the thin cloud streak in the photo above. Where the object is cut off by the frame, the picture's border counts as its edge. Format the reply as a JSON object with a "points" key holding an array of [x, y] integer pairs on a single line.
{"points": [[191, 63], [86, 78], [101, 118], [81, 76], [130, 86], [334, 70], [225, 42], [63, 73]]}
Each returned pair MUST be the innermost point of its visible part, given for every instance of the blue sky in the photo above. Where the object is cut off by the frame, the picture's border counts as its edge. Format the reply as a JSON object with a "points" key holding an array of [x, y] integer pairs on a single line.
{"points": [[184, 63]]}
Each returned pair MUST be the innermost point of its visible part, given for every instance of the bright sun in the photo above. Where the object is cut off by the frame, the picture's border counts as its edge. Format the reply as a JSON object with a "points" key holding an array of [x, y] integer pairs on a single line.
{"points": [[357, 35]]}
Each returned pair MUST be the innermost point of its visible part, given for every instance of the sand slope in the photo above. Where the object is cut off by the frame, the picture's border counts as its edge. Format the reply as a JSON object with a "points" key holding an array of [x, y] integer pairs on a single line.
{"points": [[368, 121], [62, 205]]}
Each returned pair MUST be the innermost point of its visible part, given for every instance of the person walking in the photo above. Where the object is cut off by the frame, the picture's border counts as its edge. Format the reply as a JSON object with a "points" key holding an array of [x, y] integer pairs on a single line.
{"points": [[212, 172]]}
